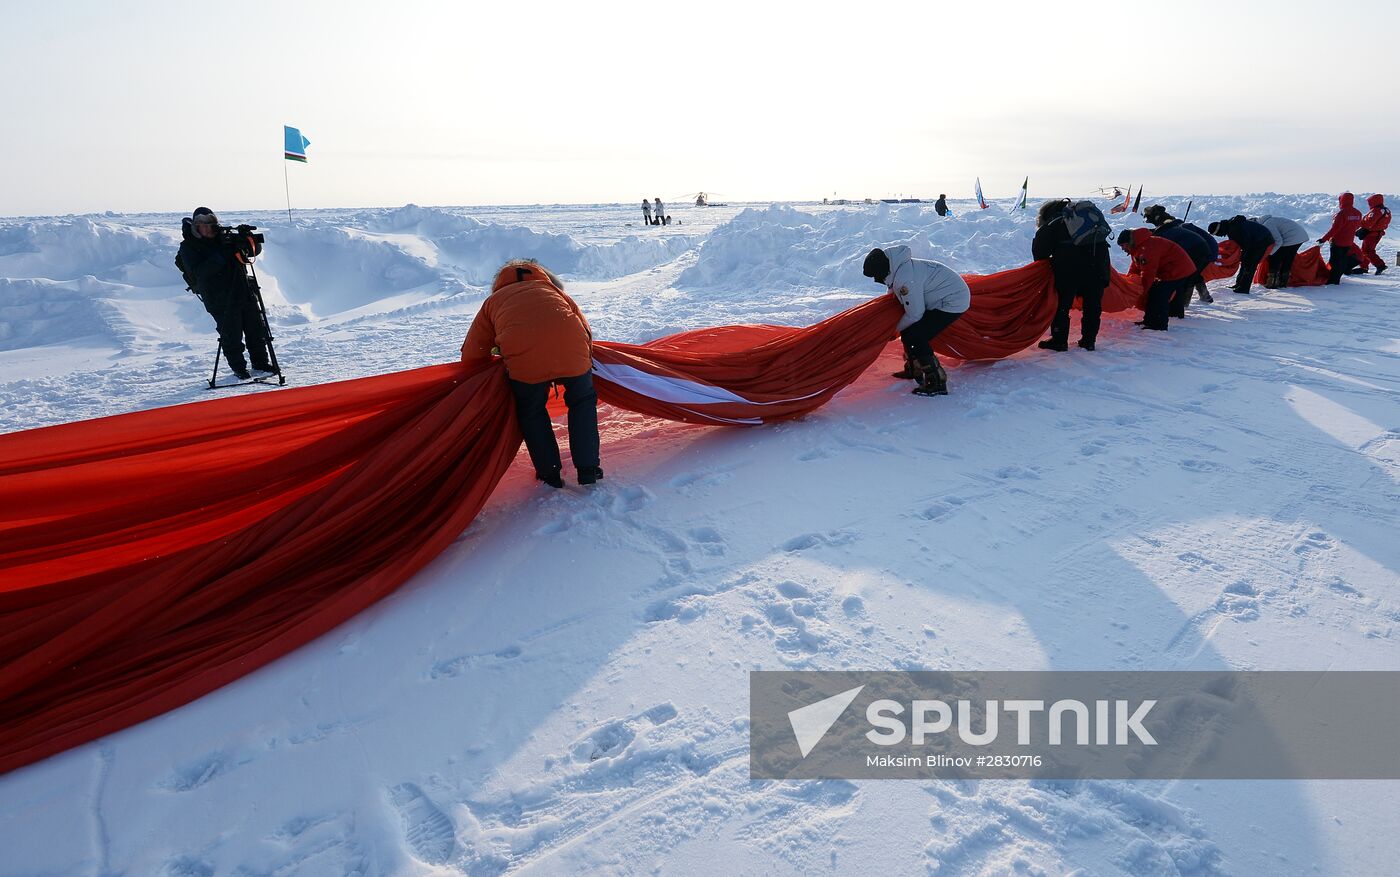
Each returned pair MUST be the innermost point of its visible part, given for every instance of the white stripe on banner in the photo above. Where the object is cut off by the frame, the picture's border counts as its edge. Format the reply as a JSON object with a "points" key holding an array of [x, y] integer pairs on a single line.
{"points": [[679, 391], [664, 388]]}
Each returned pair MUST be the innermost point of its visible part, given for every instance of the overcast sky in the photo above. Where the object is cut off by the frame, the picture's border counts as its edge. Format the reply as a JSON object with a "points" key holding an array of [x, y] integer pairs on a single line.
{"points": [[144, 106]]}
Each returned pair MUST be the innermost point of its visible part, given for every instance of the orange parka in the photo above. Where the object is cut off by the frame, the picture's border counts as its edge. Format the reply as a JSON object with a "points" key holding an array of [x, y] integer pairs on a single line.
{"points": [[541, 333]]}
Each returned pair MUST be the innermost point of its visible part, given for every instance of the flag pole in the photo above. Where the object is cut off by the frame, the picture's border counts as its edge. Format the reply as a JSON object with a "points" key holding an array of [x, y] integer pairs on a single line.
{"points": [[288, 186]]}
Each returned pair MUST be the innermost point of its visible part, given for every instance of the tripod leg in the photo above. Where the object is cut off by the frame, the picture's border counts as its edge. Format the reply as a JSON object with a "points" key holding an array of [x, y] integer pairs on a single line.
{"points": [[213, 378], [266, 326]]}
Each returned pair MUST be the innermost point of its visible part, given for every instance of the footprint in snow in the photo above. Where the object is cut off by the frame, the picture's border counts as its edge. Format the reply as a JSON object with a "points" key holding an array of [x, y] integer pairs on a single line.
{"points": [[430, 834]]}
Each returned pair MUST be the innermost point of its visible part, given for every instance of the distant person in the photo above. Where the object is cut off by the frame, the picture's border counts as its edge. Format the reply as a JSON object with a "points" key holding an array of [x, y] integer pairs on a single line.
{"points": [[941, 205], [1198, 244], [1288, 237], [646, 211], [933, 296], [210, 259], [1342, 236], [1080, 265], [1254, 241], [1373, 226], [1164, 267], [545, 340], [658, 210]]}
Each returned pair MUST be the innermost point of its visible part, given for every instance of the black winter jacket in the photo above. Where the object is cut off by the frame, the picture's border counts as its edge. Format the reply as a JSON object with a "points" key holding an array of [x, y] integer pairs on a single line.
{"points": [[1076, 267], [1193, 245], [219, 277], [1250, 235]]}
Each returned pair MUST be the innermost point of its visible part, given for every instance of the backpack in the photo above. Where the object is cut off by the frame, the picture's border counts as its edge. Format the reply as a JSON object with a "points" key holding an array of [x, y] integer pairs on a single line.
{"points": [[1086, 225], [185, 273]]}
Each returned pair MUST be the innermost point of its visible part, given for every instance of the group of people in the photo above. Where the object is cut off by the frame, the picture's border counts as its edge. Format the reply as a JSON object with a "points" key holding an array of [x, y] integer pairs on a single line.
{"points": [[654, 213], [1170, 259], [545, 340]]}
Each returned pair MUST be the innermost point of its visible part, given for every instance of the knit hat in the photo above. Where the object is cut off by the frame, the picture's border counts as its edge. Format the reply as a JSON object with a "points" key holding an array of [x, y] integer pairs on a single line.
{"points": [[877, 265], [1125, 238], [201, 212], [1216, 229]]}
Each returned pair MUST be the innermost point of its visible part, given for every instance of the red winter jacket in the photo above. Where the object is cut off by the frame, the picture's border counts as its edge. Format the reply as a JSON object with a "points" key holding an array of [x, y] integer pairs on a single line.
{"points": [[1159, 259], [1345, 223], [1378, 220]]}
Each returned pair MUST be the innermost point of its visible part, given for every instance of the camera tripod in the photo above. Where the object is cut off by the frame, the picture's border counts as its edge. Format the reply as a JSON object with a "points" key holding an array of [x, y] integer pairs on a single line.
{"points": [[250, 276]]}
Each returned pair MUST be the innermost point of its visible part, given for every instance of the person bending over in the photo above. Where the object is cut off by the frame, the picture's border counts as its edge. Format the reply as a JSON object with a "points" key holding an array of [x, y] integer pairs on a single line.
{"points": [[1165, 268], [545, 340], [933, 296], [1198, 244]]}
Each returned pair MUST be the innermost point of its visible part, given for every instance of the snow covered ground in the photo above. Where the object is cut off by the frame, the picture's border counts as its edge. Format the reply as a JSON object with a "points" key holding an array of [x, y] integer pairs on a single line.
{"points": [[564, 690]]}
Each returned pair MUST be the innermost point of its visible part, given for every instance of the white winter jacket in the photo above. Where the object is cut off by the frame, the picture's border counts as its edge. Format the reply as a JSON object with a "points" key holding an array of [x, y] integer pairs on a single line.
{"points": [[1286, 232], [924, 285]]}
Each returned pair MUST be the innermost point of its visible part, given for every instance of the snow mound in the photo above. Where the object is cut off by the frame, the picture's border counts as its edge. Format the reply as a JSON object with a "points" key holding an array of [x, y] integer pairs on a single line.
{"points": [[35, 311], [475, 250], [781, 246]]}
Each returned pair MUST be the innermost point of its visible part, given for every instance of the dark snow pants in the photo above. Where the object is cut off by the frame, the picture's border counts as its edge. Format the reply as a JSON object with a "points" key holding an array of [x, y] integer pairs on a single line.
{"points": [[235, 321], [1159, 299], [1182, 297], [530, 410], [1339, 259], [1249, 264], [1281, 265], [917, 336], [1091, 305]]}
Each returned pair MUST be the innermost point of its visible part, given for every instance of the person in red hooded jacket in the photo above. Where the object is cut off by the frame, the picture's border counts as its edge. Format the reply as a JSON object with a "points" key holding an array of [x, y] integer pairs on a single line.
{"points": [[1373, 226], [1165, 267], [1342, 235]]}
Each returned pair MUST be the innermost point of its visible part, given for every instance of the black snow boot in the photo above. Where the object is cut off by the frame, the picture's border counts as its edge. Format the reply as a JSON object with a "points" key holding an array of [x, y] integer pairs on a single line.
{"points": [[1380, 269], [910, 372], [1055, 343], [1086, 344], [1272, 281], [550, 478], [590, 475], [932, 382]]}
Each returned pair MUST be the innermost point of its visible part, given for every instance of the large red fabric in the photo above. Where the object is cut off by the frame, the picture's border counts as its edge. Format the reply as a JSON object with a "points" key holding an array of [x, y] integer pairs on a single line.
{"points": [[149, 558], [1309, 268]]}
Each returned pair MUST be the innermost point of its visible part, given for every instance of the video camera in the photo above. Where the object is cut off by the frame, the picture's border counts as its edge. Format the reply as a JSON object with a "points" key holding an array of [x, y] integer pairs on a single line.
{"points": [[241, 240]]}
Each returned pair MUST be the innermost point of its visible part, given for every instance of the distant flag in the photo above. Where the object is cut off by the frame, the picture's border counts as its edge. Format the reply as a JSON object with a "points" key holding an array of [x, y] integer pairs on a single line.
{"points": [[981, 202], [1123, 208], [1021, 198], [293, 144], [1138, 201]]}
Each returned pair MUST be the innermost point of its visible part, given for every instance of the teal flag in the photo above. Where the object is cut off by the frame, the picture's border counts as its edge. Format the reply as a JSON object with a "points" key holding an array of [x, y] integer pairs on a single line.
{"points": [[293, 144]]}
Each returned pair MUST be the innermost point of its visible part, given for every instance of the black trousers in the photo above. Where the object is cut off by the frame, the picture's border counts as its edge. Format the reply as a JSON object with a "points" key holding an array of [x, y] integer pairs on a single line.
{"points": [[916, 337], [646, 218], [1091, 298], [236, 320], [1340, 260], [1281, 263], [1249, 264], [1182, 297], [1159, 299], [530, 411]]}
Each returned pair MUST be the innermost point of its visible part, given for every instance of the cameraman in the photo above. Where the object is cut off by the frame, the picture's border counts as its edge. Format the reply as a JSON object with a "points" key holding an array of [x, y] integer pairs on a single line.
{"points": [[214, 258]]}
